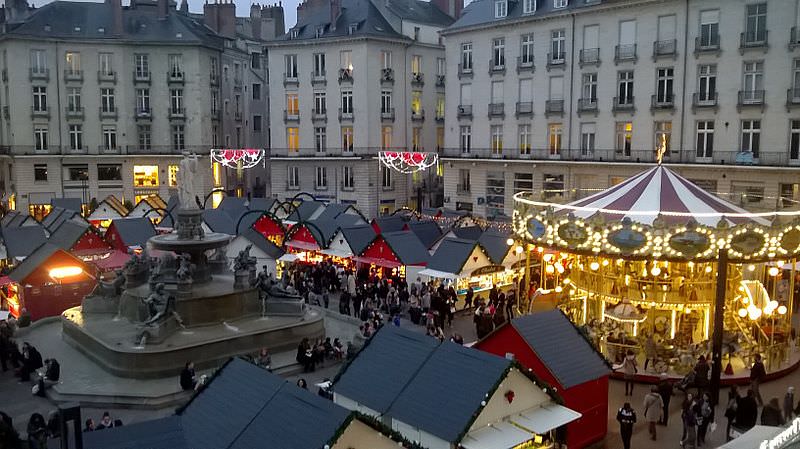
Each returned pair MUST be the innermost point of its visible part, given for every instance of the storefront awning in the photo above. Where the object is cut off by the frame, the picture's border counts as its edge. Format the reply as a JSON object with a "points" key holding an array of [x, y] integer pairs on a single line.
{"points": [[546, 418], [379, 262], [438, 274], [336, 253], [303, 245], [288, 257], [502, 435]]}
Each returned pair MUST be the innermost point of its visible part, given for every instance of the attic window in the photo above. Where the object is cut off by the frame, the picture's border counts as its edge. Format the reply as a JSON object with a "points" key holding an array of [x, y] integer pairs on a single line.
{"points": [[77, 29], [101, 30], [320, 31], [352, 28], [560, 3], [47, 27], [528, 6], [293, 33], [178, 35], [500, 9]]}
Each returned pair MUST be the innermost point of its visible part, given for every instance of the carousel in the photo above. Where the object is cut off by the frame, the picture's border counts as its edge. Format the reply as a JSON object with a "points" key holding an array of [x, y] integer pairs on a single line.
{"points": [[660, 267]]}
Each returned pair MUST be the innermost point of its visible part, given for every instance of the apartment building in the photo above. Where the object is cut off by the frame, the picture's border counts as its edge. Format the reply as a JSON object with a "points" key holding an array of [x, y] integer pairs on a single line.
{"points": [[352, 78], [564, 96], [101, 99]]}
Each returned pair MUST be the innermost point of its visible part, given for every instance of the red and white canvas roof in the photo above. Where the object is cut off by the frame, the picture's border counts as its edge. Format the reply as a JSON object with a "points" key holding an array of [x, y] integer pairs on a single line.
{"points": [[660, 191]]}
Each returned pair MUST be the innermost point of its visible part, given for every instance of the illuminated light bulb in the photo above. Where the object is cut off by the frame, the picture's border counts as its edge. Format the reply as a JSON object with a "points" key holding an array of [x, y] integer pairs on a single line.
{"points": [[655, 271], [605, 262], [567, 281], [559, 267], [773, 304], [510, 242], [782, 310], [558, 289], [549, 269], [691, 264], [708, 269], [687, 311], [742, 313], [774, 271], [548, 257], [664, 287], [751, 267], [745, 300], [594, 266], [519, 250]]}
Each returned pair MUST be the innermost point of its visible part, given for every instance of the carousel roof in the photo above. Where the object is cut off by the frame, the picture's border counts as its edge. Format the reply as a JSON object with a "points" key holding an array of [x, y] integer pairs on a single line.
{"points": [[660, 191]]}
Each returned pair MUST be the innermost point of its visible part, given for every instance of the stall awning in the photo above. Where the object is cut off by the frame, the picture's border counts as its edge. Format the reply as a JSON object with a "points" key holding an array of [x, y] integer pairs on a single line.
{"points": [[753, 437], [502, 435], [5, 280], [336, 253], [303, 245], [114, 260], [378, 262], [288, 257], [438, 274], [546, 418]]}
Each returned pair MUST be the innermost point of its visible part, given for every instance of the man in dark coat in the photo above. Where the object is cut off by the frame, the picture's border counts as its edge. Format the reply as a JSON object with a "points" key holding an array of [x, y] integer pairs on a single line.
{"points": [[746, 411], [627, 418], [757, 375], [665, 390]]}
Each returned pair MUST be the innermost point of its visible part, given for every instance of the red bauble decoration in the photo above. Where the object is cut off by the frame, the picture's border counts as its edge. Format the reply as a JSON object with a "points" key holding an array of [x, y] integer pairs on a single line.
{"points": [[509, 396]]}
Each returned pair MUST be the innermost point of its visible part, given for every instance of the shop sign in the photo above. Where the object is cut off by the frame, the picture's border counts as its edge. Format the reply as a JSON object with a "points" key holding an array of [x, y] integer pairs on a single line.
{"points": [[489, 269], [786, 436]]}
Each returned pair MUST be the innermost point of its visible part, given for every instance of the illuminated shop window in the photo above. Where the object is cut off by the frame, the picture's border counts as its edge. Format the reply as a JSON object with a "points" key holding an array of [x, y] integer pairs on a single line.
{"points": [[145, 176], [173, 176]]}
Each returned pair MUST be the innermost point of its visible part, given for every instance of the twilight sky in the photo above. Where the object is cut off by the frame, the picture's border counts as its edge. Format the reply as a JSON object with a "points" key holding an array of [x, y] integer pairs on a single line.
{"points": [[242, 7]]}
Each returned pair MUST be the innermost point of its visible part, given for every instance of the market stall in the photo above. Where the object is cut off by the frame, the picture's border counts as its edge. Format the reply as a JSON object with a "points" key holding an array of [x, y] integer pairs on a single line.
{"points": [[640, 264], [395, 254], [109, 209]]}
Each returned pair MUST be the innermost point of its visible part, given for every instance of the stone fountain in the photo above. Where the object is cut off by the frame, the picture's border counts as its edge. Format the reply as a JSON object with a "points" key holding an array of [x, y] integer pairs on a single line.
{"points": [[180, 302]]}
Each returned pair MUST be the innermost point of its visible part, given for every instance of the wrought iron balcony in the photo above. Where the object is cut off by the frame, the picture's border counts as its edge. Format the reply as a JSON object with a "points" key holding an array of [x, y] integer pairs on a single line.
{"points": [[587, 105], [665, 48], [465, 111], [40, 112], [750, 98], [387, 114], [662, 102], [141, 76], [318, 79], [497, 110], [589, 56], [754, 40], [497, 67], [525, 64], [106, 76], [39, 73], [464, 71], [177, 113], [794, 38], [524, 108], [792, 98], [417, 79], [142, 113], [74, 112], [557, 60], [625, 53], [706, 44], [73, 75], [346, 76], [554, 107], [319, 115], [176, 76], [387, 75], [704, 100], [623, 104], [439, 81], [290, 80], [291, 116], [418, 115], [346, 115]]}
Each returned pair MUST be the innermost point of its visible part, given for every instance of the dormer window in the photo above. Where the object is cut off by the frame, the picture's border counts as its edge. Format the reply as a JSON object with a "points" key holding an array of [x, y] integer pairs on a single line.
{"points": [[293, 33], [560, 3], [320, 31], [500, 9], [528, 6], [352, 28]]}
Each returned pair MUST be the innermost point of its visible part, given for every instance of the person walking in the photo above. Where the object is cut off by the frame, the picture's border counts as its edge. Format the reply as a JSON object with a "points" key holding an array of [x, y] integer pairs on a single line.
{"points": [[629, 370], [704, 415], [468, 298], [689, 440], [653, 409], [788, 404], [701, 370], [665, 389], [650, 352], [746, 411], [37, 432], [771, 414], [730, 410], [757, 375], [627, 418]]}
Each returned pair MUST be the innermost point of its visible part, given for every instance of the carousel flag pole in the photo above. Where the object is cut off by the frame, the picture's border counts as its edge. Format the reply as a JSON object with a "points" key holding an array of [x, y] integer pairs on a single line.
{"points": [[719, 315]]}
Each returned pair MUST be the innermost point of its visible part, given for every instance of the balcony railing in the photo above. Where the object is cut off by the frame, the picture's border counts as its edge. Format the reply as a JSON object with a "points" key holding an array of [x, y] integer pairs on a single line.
{"points": [[662, 102], [75, 112], [291, 116], [39, 73], [464, 71], [748, 40], [525, 65], [346, 116], [524, 108], [465, 111], [554, 107], [43, 112], [793, 98], [143, 113], [439, 116], [794, 38], [176, 76], [108, 112], [73, 75], [387, 114], [497, 67], [418, 115], [312, 152], [140, 76], [439, 81], [387, 75], [751, 98], [665, 48], [706, 44], [106, 76], [109, 149], [318, 79], [4, 75], [237, 116], [557, 59], [290, 80], [6, 112], [319, 115], [587, 105], [702, 100], [497, 110], [625, 53], [213, 79], [462, 188], [623, 104], [345, 76], [177, 113], [417, 79], [589, 56]]}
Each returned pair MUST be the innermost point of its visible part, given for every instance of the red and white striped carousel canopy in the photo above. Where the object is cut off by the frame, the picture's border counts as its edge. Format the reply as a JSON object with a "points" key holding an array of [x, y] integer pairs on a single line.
{"points": [[660, 191]]}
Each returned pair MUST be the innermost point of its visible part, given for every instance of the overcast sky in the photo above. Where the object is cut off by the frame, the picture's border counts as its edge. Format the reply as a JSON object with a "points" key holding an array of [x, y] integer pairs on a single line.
{"points": [[242, 7]]}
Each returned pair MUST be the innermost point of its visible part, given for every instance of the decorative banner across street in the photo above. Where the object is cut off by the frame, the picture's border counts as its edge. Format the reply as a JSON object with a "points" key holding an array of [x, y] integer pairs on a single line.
{"points": [[231, 158], [408, 161]]}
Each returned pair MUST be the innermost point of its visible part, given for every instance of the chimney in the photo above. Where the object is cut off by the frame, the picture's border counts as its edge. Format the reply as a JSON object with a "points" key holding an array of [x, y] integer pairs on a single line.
{"points": [[227, 19], [336, 12], [273, 15], [255, 20], [452, 8], [211, 15], [16, 10], [163, 9], [116, 16]]}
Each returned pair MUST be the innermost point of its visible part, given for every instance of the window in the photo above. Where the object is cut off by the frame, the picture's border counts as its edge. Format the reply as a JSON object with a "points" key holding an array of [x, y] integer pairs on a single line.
{"points": [[142, 64], [293, 139], [496, 139], [463, 180], [106, 63], [466, 95], [440, 106], [291, 66], [789, 194], [111, 172], [625, 92], [176, 100], [321, 178], [753, 81], [707, 83], [178, 137], [38, 62], [589, 87], [755, 29], [73, 60], [40, 98], [751, 136], [348, 180], [466, 57], [525, 139], [709, 28], [175, 70], [560, 3], [416, 64], [145, 137], [495, 193], [441, 67], [662, 136], [747, 192], [319, 64], [256, 123], [107, 103], [795, 95], [214, 68], [465, 139], [75, 137], [76, 172], [292, 104], [347, 139], [293, 33], [256, 91], [588, 131], [346, 60], [172, 175], [237, 73], [320, 103], [40, 138], [416, 33], [552, 185], [497, 92], [526, 52], [523, 182], [109, 137], [554, 132], [40, 172], [664, 81], [794, 140], [143, 100], [416, 102], [255, 60], [416, 139], [558, 41], [215, 102], [500, 9], [386, 177], [705, 139], [624, 138], [145, 175], [74, 99], [386, 137], [320, 139], [439, 137], [347, 102], [556, 88], [528, 6], [499, 53], [386, 101], [293, 177]]}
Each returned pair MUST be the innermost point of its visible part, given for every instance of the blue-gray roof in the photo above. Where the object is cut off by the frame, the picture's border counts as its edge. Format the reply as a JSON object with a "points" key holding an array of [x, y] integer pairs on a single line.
{"points": [[496, 245], [21, 241], [219, 221], [468, 232], [358, 237], [451, 255], [407, 247], [262, 204], [164, 433], [58, 215], [560, 346], [262, 243], [134, 231], [413, 378], [172, 207], [73, 204], [306, 210], [391, 223], [13, 218], [481, 12], [427, 231], [68, 233]]}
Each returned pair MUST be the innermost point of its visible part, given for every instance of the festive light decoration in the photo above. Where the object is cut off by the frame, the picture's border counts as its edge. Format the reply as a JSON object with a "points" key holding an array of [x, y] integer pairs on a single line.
{"points": [[408, 161], [248, 157]]}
